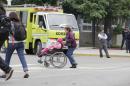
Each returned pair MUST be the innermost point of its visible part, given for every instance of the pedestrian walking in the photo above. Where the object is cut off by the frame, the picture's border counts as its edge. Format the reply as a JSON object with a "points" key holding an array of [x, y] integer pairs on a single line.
{"points": [[14, 44], [103, 43], [109, 39], [128, 41], [71, 43], [124, 34], [4, 31]]}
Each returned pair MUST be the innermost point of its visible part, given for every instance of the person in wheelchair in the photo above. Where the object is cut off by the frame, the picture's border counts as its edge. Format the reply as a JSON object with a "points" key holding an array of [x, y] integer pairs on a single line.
{"points": [[55, 46]]}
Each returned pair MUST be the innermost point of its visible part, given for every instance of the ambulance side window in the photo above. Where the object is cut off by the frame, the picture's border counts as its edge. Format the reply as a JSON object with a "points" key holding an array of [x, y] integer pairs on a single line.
{"points": [[23, 17], [41, 21]]}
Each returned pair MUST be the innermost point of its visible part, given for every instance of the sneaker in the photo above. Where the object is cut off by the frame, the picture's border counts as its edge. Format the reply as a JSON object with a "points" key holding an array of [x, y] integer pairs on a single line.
{"points": [[101, 56], [40, 61], [74, 66], [3, 76], [26, 76], [9, 75]]}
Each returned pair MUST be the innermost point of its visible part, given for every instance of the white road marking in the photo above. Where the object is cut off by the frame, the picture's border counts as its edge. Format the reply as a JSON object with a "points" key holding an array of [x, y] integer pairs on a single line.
{"points": [[37, 67]]}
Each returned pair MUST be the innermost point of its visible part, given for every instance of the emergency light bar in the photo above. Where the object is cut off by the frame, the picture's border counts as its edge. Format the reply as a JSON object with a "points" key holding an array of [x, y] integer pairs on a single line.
{"points": [[46, 9]]}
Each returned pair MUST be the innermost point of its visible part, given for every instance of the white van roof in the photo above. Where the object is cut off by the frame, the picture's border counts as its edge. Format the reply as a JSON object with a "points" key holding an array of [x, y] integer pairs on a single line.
{"points": [[43, 13]]}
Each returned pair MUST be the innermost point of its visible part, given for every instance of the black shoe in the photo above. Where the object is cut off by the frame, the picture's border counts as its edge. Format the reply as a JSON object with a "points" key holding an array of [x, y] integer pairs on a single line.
{"points": [[9, 75], [40, 61], [3, 76], [26, 76], [101, 56], [108, 57], [74, 66]]}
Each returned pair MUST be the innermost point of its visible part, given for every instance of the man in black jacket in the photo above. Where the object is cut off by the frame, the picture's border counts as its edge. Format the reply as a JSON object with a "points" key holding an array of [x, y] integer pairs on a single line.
{"points": [[124, 35], [4, 26], [128, 41]]}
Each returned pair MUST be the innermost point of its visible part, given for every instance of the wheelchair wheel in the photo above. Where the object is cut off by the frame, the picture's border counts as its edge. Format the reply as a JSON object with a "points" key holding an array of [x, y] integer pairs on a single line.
{"points": [[58, 60], [46, 64], [40, 61]]}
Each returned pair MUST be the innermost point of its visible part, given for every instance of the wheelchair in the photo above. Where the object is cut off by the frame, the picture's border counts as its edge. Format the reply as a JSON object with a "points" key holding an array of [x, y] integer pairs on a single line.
{"points": [[55, 58]]}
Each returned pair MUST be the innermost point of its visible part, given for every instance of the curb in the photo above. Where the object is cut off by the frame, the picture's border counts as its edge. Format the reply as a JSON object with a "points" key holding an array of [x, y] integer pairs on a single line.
{"points": [[98, 55]]}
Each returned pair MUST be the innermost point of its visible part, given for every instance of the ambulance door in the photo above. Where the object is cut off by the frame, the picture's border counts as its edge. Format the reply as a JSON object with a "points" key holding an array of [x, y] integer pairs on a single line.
{"points": [[43, 32], [39, 33]]}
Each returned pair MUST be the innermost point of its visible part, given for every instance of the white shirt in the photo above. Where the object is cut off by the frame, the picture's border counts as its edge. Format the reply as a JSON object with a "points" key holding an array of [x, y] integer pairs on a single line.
{"points": [[102, 36]]}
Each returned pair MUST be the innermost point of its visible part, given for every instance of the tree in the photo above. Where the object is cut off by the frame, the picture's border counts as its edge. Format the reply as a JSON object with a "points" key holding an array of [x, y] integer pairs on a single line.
{"points": [[93, 9], [116, 9], [100, 10], [38, 2], [3, 1], [72, 6]]}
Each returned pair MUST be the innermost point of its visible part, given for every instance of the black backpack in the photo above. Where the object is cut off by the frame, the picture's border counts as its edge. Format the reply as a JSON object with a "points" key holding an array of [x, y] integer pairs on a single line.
{"points": [[5, 25], [20, 33]]}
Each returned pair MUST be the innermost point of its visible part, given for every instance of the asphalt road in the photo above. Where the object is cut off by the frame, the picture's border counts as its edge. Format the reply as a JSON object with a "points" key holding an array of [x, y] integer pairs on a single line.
{"points": [[91, 71]]}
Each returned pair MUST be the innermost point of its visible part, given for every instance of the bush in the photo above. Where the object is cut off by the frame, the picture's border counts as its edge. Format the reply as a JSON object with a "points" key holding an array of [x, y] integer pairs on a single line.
{"points": [[118, 29]]}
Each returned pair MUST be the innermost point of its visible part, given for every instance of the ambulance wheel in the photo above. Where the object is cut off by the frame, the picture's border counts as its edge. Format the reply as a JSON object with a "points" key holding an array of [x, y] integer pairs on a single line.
{"points": [[38, 47], [46, 64]]}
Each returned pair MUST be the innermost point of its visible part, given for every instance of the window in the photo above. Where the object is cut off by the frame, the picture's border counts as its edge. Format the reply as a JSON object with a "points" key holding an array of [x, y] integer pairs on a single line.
{"points": [[23, 17], [55, 21], [41, 21], [86, 27]]}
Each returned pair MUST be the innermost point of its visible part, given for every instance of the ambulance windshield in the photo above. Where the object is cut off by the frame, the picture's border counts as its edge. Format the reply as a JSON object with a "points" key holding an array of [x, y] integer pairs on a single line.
{"points": [[58, 21]]}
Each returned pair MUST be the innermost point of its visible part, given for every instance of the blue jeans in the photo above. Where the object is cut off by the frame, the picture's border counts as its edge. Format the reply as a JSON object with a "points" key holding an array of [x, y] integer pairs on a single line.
{"points": [[3, 65], [19, 47], [69, 54]]}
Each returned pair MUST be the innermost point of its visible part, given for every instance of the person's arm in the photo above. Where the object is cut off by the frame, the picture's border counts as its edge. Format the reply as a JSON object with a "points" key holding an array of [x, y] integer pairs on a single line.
{"points": [[105, 37], [100, 36]]}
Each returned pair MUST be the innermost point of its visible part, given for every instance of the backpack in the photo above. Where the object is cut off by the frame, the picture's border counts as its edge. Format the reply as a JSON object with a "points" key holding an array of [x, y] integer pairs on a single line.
{"points": [[20, 33], [5, 25]]}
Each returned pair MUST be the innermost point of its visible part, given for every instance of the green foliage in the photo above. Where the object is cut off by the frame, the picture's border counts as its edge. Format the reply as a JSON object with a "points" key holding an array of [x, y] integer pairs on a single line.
{"points": [[72, 6], [3, 1], [118, 29], [90, 8], [118, 8], [38, 2], [98, 8]]}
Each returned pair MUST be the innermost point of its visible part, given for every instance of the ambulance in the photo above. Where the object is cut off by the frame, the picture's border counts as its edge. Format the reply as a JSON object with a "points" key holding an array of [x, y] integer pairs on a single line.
{"points": [[44, 25]]}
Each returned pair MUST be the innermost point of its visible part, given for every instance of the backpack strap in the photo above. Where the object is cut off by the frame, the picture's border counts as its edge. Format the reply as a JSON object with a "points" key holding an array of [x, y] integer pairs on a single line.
{"points": [[13, 39]]}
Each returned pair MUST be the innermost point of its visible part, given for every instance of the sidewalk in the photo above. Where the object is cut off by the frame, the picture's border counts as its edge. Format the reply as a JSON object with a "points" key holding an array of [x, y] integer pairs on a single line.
{"points": [[89, 51]]}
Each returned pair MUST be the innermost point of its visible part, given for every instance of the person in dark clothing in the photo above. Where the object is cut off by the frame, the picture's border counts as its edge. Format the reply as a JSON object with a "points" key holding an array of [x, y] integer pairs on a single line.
{"points": [[3, 66], [13, 44], [124, 34], [71, 43], [109, 39], [128, 42]]}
